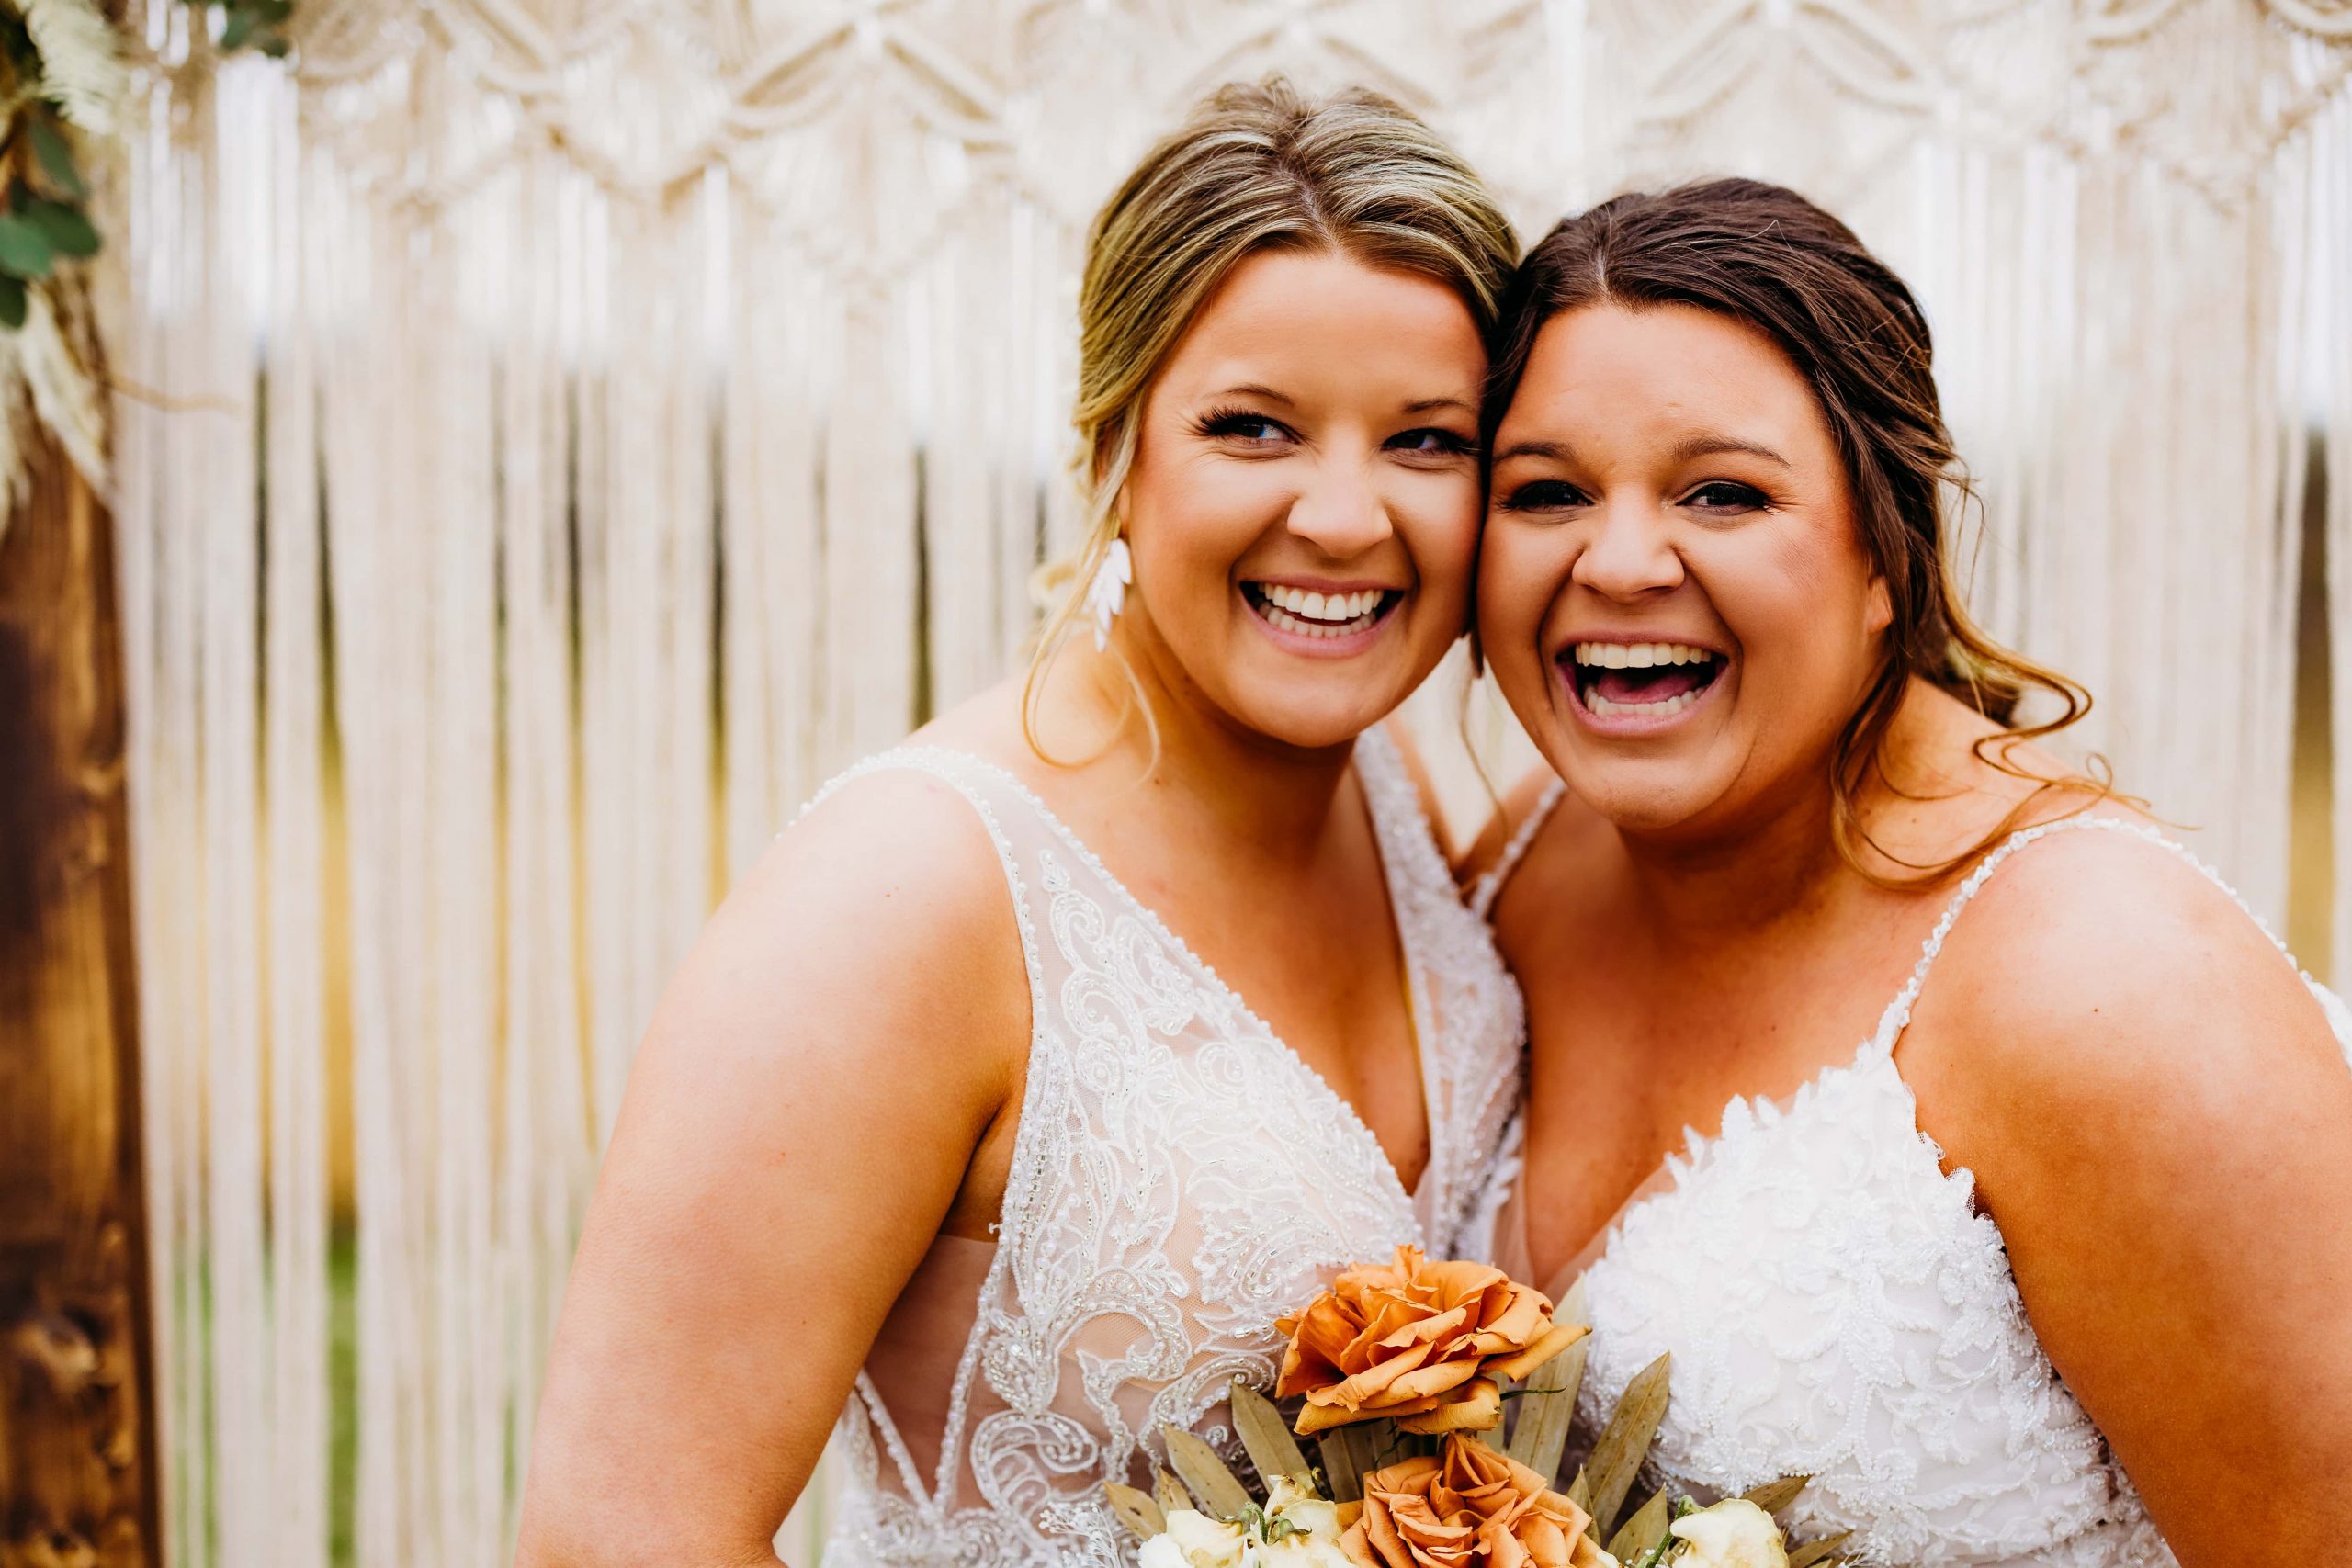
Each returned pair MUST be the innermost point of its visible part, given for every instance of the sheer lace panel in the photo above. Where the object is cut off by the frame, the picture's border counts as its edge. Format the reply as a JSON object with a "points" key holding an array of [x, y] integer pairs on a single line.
{"points": [[1180, 1179], [1838, 1306]]}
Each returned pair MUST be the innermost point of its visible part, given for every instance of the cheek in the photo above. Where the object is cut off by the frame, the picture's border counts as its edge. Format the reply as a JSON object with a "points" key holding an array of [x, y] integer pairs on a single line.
{"points": [[1519, 572], [1188, 522], [1806, 609], [1438, 519]]}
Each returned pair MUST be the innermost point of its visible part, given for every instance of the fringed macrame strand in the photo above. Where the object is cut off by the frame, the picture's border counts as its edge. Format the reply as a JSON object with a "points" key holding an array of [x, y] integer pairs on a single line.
{"points": [[582, 429]]}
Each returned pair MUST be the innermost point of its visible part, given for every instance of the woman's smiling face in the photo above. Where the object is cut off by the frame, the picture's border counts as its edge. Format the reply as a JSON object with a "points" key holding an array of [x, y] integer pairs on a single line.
{"points": [[1673, 594], [1303, 503]]}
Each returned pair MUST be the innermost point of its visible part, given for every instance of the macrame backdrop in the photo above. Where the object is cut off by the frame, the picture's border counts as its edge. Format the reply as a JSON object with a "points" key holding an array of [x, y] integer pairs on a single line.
{"points": [[555, 434]]}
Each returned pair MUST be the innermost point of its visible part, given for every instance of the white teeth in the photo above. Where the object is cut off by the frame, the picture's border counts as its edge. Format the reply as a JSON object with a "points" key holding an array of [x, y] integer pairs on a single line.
{"points": [[1639, 655], [1323, 609], [1602, 707], [1288, 621]]}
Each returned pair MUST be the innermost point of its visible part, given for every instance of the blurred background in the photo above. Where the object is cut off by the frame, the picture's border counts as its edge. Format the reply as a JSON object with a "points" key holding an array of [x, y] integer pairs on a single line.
{"points": [[550, 437]]}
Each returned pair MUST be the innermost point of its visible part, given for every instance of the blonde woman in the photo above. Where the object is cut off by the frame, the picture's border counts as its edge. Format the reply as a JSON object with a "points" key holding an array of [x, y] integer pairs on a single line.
{"points": [[1048, 1059]]}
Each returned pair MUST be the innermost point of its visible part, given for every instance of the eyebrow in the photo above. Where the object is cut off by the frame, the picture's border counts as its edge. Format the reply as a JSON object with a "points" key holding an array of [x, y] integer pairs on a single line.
{"points": [[1707, 444], [1255, 389], [1703, 445], [1420, 405], [1556, 450]]}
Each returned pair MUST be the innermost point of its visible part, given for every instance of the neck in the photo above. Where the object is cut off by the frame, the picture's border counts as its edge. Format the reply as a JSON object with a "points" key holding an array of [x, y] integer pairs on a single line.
{"points": [[1211, 773], [1779, 859], [1926, 801]]}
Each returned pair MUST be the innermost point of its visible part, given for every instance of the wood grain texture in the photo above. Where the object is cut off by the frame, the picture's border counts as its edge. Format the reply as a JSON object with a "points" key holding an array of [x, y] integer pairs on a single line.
{"points": [[77, 1462]]}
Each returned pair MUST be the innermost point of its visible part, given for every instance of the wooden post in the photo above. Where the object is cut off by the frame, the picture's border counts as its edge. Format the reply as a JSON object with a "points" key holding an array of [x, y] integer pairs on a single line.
{"points": [[77, 1444]]}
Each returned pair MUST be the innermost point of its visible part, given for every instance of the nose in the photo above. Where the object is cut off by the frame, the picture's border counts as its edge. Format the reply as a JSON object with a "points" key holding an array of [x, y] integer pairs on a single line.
{"points": [[1629, 555], [1341, 513]]}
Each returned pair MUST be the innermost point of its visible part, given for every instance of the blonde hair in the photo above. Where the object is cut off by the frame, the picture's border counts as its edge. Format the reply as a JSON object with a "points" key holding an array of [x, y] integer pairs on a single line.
{"points": [[1254, 168]]}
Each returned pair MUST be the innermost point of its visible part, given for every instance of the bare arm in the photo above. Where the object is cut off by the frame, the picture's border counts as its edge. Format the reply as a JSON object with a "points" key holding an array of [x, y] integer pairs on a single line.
{"points": [[858, 1001], [2161, 1123]]}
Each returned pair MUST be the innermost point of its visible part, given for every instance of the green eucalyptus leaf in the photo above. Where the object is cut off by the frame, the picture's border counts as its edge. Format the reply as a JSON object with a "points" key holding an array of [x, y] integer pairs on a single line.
{"points": [[12, 302], [69, 229], [275, 46], [55, 155], [238, 28], [25, 250]]}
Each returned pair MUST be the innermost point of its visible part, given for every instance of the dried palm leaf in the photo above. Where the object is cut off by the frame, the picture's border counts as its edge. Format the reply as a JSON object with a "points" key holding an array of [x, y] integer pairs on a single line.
{"points": [[1775, 1495], [1204, 1474], [1625, 1442], [1644, 1529], [1136, 1510], [1266, 1437]]}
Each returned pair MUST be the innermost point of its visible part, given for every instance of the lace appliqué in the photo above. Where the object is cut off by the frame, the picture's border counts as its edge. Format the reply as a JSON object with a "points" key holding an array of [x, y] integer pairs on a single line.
{"points": [[1180, 1179], [1838, 1306]]}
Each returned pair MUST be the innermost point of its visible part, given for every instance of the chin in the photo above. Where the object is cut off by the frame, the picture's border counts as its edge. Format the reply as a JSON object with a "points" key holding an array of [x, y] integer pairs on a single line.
{"points": [[1315, 726], [1639, 798]]}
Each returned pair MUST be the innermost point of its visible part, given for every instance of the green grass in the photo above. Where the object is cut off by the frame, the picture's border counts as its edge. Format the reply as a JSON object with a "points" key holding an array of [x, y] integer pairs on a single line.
{"points": [[342, 1392]]}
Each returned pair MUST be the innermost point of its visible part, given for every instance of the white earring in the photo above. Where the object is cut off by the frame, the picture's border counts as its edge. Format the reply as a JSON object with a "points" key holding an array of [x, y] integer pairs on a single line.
{"points": [[1106, 594]]}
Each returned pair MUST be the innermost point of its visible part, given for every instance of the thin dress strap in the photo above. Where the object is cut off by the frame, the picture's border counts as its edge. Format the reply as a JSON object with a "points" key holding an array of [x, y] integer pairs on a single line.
{"points": [[1490, 886], [1897, 1016]]}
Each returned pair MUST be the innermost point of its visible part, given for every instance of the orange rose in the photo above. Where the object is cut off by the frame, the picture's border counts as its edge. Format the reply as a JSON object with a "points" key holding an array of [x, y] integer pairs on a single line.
{"points": [[1473, 1507], [1424, 1343]]}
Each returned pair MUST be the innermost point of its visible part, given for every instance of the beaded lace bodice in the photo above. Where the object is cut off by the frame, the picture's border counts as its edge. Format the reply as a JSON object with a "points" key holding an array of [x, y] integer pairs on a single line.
{"points": [[1838, 1306], [1180, 1179]]}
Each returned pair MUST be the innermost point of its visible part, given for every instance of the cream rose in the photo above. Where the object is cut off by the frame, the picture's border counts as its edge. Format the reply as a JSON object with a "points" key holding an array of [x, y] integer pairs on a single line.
{"points": [[1735, 1533], [1423, 1343], [1195, 1540]]}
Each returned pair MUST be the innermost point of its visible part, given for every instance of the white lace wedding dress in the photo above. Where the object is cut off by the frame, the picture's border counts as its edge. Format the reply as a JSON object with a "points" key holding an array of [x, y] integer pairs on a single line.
{"points": [[1180, 1179], [1837, 1307]]}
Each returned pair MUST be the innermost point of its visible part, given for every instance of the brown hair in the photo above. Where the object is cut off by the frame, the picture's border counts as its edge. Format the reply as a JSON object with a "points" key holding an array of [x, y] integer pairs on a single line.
{"points": [[1253, 168], [1762, 254]]}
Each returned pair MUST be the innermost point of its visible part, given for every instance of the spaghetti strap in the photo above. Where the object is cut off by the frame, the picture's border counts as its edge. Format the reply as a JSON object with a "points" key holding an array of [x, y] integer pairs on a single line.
{"points": [[1489, 885], [1897, 1016]]}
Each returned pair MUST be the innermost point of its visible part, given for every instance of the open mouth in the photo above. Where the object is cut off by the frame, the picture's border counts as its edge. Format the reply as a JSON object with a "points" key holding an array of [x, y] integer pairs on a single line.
{"points": [[1302, 613], [1639, 679]]}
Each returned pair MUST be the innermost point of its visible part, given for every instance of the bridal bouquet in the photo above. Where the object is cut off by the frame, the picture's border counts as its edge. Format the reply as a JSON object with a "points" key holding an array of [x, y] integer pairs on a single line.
{"points": [[1402, 1371]]}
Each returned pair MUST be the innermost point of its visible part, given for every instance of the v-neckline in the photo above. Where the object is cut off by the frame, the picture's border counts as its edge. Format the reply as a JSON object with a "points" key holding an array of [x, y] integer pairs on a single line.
{"points": [[1665, 1176], [1418, 1019]]}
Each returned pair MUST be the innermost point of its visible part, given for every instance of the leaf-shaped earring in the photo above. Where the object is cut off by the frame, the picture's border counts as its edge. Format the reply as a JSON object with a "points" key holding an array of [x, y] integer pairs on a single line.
{"points": [[1106, 594]]}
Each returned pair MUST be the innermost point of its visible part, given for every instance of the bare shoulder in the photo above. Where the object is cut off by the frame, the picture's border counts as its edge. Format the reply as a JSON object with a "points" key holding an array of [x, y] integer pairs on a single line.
{"points": [[893, 876], [2152, 1106], [872, 929], [2099, 976], [2097, 922]]}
